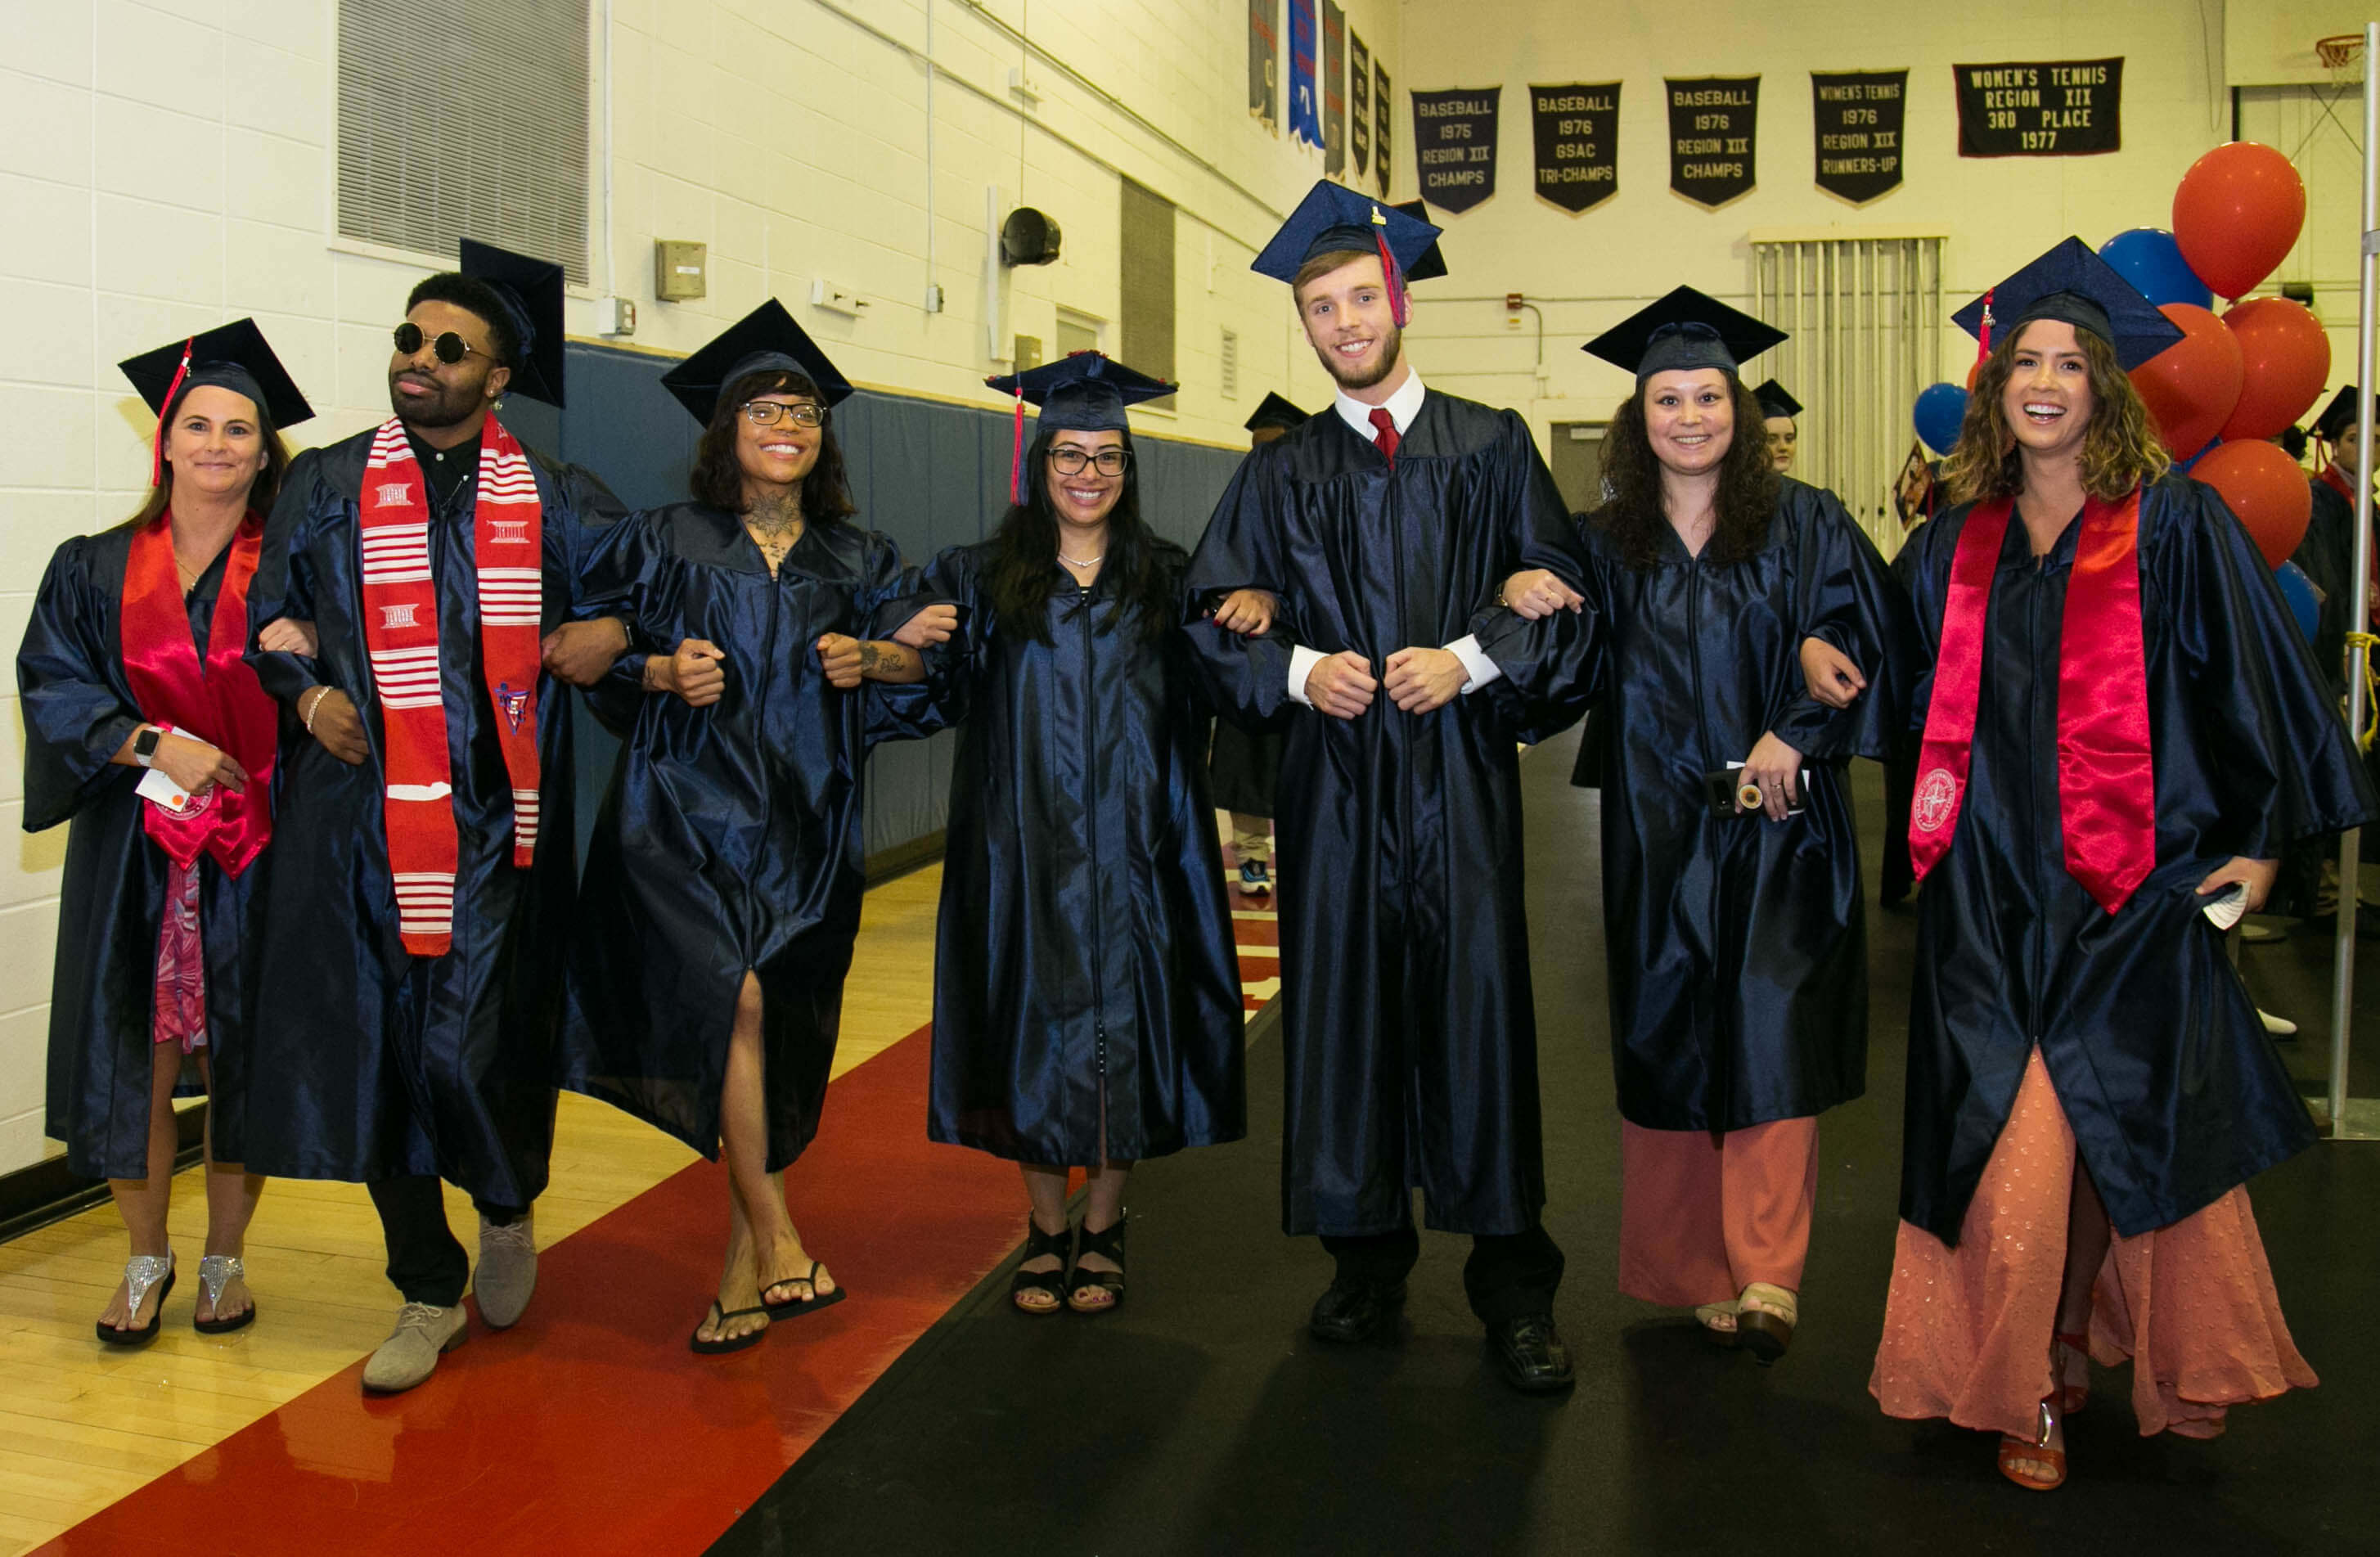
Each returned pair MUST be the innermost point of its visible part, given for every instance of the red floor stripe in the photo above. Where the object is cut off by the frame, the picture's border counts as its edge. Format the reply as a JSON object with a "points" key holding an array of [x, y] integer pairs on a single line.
{"points": [[589, 1426]]}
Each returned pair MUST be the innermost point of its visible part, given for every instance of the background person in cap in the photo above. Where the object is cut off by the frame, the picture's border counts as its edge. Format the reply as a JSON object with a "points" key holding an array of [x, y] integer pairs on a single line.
{"points": [[419, 892], [1778, 410], [1738, 958], [2083, 1062], [1244, 766], [2327, 552], [132, 661], [1384, 526], [1087, 989], [723, 881]]}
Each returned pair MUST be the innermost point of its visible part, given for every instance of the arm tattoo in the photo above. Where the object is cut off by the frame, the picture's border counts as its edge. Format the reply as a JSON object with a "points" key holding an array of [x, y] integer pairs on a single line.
{"points": [[869, 654]]}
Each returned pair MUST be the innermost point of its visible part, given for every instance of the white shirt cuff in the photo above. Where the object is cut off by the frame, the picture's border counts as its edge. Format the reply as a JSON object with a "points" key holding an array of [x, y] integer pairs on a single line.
{"points": [[1482, 669], [1302, 662]]}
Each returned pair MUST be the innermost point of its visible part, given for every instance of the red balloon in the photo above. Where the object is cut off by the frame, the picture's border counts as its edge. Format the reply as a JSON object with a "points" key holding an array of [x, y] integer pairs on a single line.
{"points": [[2236, 215], [2191, 387], [2267, 489], [2285, 358]]}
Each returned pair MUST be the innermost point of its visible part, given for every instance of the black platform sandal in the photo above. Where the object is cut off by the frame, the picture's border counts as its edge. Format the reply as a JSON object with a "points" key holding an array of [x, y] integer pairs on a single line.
{"points": [[1037, 1244], [1110, 1244]]}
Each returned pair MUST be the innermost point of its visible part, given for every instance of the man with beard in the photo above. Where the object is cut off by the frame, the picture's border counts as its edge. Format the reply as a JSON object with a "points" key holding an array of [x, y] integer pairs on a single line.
{"points": [[1386, 527], [420, 891]]}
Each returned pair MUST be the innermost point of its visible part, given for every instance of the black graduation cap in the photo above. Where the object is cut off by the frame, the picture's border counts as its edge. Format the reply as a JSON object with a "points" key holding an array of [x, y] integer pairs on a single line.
{"points": [[1274, 412], [1333, 218], [1775, 401], [765, 340], [1687, 329], [2072, 284], [235, 357], [1432, 263], [1083, 392], [531, 291], [2338, 418]]}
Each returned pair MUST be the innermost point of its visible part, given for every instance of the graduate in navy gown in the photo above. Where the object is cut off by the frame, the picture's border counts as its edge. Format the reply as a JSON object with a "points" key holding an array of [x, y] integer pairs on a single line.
{"points": [[1385, 525], [1086, 990], [2123, 728], [133, 684], [723, 881], [413, 611]]}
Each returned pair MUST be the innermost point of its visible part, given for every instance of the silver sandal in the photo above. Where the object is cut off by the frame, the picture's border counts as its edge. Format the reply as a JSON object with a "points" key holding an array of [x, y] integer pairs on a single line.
{"points": [[215, 1272], [141, 1272]]}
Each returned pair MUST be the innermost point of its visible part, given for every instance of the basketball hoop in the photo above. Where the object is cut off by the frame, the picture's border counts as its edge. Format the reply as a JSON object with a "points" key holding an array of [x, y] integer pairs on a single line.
{"points": [[2338, 51]]}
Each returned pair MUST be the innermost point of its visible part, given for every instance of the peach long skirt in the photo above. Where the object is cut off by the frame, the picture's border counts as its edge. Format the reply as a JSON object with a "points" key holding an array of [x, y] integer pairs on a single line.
{"points": [[1967, 1331], [1703, 1216]]}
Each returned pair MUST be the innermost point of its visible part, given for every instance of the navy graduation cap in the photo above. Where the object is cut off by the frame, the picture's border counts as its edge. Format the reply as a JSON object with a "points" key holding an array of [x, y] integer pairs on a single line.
{"points": [[1432, 263], [531, 291], [1274, 411], [1333, 218], [2338, 418], [235, 357], [1775, 401], [2072, 284], [765, 340], [1082, 392], [1685, 330]]}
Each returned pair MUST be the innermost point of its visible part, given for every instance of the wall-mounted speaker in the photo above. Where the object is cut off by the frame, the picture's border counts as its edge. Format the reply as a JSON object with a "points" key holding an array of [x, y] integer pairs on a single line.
{"points": [[1028, 237]]}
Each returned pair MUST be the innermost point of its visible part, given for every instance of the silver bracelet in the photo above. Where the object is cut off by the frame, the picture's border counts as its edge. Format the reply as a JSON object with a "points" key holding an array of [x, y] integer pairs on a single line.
{"points": [[320, 693]]}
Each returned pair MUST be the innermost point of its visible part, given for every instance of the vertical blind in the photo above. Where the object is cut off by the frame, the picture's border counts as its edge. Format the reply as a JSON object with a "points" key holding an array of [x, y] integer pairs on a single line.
{"points": [[1146, 231], [465, 118]]}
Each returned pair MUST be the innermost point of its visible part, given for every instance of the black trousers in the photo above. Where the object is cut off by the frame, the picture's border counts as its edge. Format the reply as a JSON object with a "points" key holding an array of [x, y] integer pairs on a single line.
{"points": [[425, 1262], [1508, 1275]]}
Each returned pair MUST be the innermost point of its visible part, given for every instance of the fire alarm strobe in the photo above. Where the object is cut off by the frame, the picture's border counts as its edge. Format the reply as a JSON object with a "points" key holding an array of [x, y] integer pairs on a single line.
{"points": [[1028, 237]]}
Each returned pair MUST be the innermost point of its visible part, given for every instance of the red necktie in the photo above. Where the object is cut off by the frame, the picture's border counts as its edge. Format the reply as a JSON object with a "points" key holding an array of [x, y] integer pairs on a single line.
{"points": [[1384, 432]]}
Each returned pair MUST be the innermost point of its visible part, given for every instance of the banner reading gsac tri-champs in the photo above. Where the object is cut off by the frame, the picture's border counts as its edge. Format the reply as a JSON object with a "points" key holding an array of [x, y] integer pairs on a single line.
{"points": [[1578, 143]]}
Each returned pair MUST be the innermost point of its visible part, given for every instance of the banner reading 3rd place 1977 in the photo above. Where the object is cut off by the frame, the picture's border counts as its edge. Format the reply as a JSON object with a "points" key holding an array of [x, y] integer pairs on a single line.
{"points": [[2050, 108], [1454, 145]]}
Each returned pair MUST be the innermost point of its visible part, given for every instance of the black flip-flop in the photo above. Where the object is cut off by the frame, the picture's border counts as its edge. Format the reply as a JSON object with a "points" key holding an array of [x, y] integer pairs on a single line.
{"points": [[148, 1333], [799, 1306], [717, 1318]]}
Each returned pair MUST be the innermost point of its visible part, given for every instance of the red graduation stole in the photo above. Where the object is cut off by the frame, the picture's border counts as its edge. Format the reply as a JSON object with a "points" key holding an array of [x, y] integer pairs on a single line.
{"points": [[2106, 786], [401, 635], [220, 702]]}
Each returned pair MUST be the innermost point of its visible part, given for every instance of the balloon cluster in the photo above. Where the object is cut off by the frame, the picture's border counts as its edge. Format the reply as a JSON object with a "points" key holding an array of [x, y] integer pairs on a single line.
{"points": [[2236, 379]]}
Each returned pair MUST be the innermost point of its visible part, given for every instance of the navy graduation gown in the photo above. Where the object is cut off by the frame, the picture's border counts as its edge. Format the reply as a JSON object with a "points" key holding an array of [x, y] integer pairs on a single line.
{"points": [[371, 1063], [1408, 1033], [1736, 954], [2174, 1091], [79, 711], [1083, 947], [730, 840], [2328, 556]]}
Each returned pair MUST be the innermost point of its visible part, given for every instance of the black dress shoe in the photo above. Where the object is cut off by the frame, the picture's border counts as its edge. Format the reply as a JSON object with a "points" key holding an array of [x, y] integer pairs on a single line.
{"points": [[1350, 1314], [1531, 1352]]}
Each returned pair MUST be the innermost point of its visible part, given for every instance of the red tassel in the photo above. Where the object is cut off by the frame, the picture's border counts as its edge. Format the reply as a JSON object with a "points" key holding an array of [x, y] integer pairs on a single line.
{"points": [[1984, 339], [1017, 453], [157, 445], [1399, 308]]}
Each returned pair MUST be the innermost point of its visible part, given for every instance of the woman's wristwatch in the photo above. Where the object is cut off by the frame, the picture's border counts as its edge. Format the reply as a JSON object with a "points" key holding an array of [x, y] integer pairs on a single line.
{"points": [[144, 745]]}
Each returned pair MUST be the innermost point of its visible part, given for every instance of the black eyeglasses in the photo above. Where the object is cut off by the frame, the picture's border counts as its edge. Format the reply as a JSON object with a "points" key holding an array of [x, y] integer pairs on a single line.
{"points": [[768, 413], [449, 347], [1068, 460]]}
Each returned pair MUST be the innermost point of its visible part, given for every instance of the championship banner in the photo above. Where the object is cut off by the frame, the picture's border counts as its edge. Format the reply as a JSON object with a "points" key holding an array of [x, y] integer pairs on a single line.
{"points": [[1382, 122], [1305, 99], [1359, 101], [1334, 89], [1454, 145], [2059, 108], [1264, 63], [1859, 117], [1713, 120], [1577, 131]]}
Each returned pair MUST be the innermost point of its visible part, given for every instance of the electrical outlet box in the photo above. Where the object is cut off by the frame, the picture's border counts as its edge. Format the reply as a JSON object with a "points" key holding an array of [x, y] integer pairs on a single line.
{"points": [[681, 270], [837, 298], [615, 316]]}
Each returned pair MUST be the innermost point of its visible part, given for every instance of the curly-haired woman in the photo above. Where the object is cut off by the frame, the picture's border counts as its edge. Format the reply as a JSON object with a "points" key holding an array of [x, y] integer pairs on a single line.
{"points": [[2121, 730]]}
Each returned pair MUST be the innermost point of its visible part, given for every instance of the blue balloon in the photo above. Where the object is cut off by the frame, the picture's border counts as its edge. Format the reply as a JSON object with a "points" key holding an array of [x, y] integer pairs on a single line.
{"points": [[2298, 589], [2192, 463], [1940, 408], [2151, 261]]}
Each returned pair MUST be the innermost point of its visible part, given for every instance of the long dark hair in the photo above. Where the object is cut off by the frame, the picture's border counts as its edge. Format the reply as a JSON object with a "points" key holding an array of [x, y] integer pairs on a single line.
{"points": [[2120, 448], [718, 477], [1024, 556], [260, 493], [1746, 500]]}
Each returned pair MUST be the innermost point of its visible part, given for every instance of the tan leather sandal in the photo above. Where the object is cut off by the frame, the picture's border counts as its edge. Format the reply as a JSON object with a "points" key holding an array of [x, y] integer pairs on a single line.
{"points": [[1765, 1317]]}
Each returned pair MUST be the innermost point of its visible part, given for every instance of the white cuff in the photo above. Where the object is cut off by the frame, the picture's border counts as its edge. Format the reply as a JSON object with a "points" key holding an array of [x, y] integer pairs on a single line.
{"points": [[1482, 669], [1302, 662]]}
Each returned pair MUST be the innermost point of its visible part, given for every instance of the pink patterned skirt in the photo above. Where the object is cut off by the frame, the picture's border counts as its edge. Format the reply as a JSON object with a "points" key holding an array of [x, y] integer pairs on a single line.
{"points": [[1967, 1329], [179, 1011]]}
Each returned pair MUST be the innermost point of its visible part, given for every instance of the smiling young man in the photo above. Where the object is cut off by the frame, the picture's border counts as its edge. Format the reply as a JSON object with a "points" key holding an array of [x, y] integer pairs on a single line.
{"points": [[1384, 525], [420, 888]]}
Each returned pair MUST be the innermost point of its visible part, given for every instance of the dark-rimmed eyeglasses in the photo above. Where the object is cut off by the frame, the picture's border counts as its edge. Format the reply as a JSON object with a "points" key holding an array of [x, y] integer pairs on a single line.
{"points": [[768, 413], [1069, 460], [449, 347]]}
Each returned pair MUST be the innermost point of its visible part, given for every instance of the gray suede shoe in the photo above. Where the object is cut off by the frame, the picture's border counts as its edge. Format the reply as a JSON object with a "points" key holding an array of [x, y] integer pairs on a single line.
{"points": [[507, 1270], [411, 1354]]}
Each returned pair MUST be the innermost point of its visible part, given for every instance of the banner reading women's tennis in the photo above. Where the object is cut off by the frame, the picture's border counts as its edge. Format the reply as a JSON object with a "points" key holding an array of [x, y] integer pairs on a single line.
{"points": [[2046, 108], [1858, 117], [1454, 145], [1578, 143]]}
